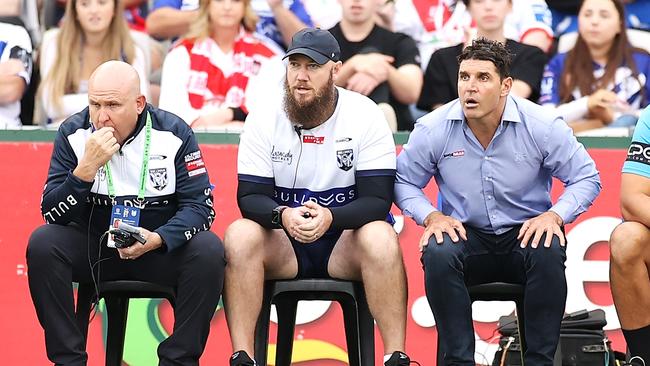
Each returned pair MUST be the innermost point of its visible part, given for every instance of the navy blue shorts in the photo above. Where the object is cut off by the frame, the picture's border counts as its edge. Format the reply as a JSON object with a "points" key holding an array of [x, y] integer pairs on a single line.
{"points": [[313, 257]]}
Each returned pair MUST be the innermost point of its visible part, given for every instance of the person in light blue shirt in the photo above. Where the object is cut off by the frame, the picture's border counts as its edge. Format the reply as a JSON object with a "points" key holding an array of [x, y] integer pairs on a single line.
{"points": [[629, 249], [493, 157]]}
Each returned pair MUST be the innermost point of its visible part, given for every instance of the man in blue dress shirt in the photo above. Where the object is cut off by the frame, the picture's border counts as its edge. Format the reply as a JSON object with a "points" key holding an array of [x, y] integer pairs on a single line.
{"points": [[493, 157]]}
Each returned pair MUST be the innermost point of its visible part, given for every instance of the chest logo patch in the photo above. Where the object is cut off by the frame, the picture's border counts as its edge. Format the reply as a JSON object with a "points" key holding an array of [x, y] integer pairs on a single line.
{"points": [[101, 173], [281, 156], [344, 159], [158, 177], [455, 154]]}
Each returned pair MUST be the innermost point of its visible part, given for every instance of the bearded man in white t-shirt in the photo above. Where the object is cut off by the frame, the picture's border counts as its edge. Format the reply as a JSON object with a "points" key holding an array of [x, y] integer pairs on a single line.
{"points": [[316, 175]]}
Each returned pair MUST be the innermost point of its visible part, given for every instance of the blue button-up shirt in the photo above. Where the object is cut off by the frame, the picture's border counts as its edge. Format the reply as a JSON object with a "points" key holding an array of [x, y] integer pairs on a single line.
{"points": [[504, 185]]}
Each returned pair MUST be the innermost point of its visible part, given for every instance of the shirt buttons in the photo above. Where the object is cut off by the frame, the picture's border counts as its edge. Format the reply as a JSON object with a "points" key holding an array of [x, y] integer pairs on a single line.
{"points": [[493, 216], [489, 197]]}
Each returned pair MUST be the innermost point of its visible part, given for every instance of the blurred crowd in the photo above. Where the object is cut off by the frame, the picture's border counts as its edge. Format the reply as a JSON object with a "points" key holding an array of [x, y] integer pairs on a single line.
{"points": [[212, 61]]}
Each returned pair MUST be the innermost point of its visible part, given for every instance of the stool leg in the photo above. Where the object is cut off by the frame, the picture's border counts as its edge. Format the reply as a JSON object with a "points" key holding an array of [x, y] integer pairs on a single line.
{"points": [[262, 327], [286, 309], [117, 309], [351, 320], [366, 332]]}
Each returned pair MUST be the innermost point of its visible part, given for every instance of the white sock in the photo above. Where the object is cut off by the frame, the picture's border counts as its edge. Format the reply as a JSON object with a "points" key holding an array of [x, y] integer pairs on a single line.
{"points": [[386, 357]]}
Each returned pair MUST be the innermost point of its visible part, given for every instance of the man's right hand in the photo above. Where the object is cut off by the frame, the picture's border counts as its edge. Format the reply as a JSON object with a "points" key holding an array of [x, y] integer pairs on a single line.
{"points": [[436, 224], [362, 83], [292, 219], [100, 147]]}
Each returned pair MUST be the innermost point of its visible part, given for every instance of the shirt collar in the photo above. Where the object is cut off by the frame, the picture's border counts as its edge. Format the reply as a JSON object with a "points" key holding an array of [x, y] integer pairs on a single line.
{"points": [[142, 117], [510, 114]]}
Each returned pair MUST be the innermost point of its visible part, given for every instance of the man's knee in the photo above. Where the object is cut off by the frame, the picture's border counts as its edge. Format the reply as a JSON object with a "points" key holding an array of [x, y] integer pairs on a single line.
{"points": [[40, 245], [628, 243], [547, 256], [208, 245], [243, 239], [439, 256], [379, 239]]}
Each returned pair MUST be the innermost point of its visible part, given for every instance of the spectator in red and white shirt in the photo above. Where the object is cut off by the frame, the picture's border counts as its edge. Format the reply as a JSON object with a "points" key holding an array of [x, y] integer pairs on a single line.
{"points": [[210, 76]]}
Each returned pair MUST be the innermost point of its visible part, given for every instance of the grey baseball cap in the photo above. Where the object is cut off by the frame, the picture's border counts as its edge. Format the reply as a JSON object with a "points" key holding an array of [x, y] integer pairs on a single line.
{"points": [[317, 44]]}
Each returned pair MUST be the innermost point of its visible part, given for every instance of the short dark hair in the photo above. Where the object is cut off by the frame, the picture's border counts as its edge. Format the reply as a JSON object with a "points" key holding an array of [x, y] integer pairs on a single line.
{"points": [[488, 50]]}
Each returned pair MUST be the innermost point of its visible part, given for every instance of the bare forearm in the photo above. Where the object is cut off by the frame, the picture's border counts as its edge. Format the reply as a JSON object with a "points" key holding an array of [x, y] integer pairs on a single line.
{"points": [[405, 83], [12, 88], [585, 124], [345, 73], [288, 23], [169, 22]]}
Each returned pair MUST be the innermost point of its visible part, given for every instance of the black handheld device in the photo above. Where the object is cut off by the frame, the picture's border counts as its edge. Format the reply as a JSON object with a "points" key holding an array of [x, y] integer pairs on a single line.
{"points": [[126, 235]]}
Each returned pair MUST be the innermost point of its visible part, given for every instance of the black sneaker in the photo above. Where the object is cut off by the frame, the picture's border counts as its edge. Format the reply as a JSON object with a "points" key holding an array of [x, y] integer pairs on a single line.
{"points": [[399, 359], [241, 358], [635, 361]]}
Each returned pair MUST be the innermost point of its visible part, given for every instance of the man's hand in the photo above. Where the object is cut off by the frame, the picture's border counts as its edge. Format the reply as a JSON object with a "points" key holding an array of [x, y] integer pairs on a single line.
{"points": [[308, 228], [153, 241], [293, 218], [362, 83], [436, 224], [100, 147], [376, 65], [549, 222]]}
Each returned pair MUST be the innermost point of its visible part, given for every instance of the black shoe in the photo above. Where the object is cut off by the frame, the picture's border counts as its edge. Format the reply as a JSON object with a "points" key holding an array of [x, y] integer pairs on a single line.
{"points": [[635, 361], [399, 359], [241, 358]]}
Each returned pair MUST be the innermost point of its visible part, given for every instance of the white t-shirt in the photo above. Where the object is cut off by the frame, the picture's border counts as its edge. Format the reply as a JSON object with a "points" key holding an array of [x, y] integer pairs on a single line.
{"points": [[14, 44], [320, 163]]}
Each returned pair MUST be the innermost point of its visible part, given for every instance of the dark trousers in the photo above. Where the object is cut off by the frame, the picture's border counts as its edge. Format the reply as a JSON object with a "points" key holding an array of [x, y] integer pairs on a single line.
{"points": [[450, 268], [58, 255]]}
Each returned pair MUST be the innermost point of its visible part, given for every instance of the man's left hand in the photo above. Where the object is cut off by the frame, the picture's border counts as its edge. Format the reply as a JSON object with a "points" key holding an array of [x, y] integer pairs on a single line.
{"points": [[362, 83], [153, 241], [374, 64], [321, 220], [549, 222]]}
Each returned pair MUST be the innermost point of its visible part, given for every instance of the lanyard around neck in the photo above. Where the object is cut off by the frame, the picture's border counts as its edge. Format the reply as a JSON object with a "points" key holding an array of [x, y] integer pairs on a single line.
{"points": [[143, 171]]}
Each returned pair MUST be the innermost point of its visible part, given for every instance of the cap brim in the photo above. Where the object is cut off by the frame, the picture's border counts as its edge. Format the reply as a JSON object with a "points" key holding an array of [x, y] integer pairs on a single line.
{"points": [[314, 55]]}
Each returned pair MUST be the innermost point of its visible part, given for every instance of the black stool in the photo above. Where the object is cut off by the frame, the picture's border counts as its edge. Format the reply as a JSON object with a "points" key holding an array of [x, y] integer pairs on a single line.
{"points": [[497, 291], [359, 324], [116, 294]]}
